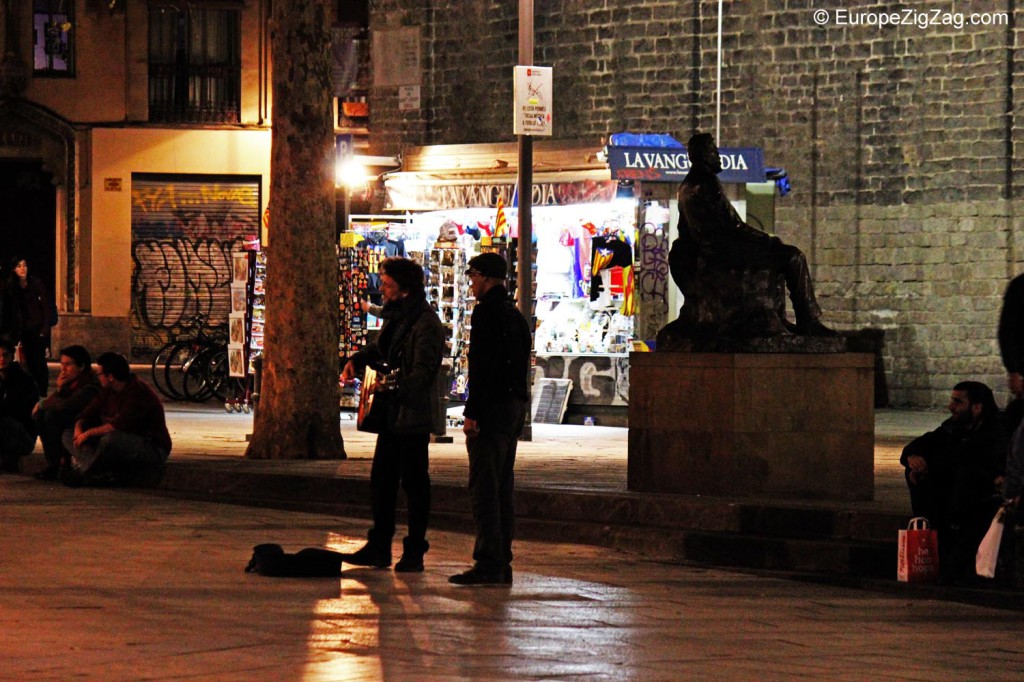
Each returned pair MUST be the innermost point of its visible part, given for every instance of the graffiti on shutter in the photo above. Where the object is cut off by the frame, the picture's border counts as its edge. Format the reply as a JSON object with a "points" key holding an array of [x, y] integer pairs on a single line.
{"points": [[184, 232]]}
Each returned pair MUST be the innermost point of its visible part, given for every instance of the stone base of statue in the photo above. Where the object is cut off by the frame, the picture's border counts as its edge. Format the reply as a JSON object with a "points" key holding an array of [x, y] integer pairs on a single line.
{"points": [[793, 425]]}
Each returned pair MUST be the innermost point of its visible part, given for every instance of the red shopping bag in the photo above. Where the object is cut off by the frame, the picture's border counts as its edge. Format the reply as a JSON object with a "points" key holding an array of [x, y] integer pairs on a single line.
{"points": [[918, 554]]}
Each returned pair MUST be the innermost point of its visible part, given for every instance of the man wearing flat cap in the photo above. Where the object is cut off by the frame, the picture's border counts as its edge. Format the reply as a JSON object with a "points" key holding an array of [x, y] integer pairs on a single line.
{"points": [[499, 359]]}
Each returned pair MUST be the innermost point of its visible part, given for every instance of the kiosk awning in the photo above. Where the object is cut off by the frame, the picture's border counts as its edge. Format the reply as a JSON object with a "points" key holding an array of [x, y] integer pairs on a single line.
{"points": [[481, 189], [449, 176], [671, 164]]}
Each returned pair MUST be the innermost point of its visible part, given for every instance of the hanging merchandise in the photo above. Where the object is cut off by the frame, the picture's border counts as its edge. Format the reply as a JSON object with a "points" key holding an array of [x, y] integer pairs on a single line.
{"points": [[258, 315], [447, 291], [354, 268], [609, 251]]}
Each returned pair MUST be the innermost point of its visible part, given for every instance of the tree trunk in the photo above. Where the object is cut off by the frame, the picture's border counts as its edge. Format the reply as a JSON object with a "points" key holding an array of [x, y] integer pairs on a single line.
{"points": [[298, 416]]}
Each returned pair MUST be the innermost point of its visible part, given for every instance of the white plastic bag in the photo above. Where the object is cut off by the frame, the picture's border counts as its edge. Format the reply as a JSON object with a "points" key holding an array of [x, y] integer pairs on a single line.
{"points": [[988, 551]]}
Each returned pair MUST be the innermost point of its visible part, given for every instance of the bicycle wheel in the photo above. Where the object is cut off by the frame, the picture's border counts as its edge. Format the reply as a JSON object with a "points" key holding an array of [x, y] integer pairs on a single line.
{"points": [[158, 370], [218, 377], [174, 369], [196, 386]]}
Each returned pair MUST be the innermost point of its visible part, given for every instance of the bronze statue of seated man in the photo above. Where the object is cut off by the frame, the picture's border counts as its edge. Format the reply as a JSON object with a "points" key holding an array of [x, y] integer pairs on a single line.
{"points": [[733, 276]]}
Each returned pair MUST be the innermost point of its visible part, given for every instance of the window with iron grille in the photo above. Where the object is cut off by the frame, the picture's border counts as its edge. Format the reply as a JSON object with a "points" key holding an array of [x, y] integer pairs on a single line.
{"points": [[52, 37], [194, 63]]}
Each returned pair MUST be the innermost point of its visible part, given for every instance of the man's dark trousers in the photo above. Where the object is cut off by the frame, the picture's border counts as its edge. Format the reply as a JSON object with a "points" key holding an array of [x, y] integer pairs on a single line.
{"points": [[51, 425], [400, 459], [492, 459]]}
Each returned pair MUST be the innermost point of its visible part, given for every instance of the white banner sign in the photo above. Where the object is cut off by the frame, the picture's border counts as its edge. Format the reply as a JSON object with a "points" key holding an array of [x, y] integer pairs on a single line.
{"points": [[533, 104]]}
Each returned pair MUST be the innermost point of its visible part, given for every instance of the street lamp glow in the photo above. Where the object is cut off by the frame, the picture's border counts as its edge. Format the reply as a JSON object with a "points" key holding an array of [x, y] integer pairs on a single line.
{"points": [[350, 173]]}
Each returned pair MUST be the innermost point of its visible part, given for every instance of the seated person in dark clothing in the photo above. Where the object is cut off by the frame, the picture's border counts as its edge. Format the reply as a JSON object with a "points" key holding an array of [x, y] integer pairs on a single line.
{"points": [[77, 385], [953, 474], [122, 431], [18, 395]]}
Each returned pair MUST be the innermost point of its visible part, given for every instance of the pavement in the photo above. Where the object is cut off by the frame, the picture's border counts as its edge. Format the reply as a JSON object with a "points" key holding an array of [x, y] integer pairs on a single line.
{"points": [[119, 584], [571, 488]]}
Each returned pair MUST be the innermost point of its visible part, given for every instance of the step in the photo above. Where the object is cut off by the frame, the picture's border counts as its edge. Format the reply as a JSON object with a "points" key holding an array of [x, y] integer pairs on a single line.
{"points": [[674, 528]]}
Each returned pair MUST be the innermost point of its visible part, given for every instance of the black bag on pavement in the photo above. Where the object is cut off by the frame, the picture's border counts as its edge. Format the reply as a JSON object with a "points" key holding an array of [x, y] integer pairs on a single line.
{"points": [[312, 562]]}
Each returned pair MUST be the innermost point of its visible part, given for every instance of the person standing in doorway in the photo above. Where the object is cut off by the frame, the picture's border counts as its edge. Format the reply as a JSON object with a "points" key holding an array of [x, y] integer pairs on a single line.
{"points": [[33, 308], [495, 413], [410, 343]]}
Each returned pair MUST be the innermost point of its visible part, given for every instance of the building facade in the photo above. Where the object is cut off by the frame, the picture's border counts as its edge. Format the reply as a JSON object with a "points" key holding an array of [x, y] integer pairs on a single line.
{"points": [[134, 142], [134, 152], [901, 135]]}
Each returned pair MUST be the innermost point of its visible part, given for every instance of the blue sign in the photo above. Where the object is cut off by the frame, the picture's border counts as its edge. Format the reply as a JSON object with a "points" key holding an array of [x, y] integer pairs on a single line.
{"points": [[661, 164], [343, 147]]}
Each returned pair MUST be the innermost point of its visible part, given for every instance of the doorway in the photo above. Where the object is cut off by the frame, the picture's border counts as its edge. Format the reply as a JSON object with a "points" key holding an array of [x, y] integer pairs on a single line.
{"points": [[28, 205]]}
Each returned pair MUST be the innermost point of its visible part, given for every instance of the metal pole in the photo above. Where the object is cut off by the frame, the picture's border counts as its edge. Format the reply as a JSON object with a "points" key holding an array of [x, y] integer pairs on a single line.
{"points": [[524, 254], [718, 82]]}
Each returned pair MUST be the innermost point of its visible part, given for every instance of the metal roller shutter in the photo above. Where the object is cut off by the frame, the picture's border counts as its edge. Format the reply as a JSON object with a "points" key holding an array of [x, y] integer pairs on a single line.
{"points": [[184, 230]]}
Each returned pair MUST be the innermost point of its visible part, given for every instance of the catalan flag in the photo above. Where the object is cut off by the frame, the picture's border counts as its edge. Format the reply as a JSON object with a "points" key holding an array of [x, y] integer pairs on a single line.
{"points": [[629, 292], [500, 222]]}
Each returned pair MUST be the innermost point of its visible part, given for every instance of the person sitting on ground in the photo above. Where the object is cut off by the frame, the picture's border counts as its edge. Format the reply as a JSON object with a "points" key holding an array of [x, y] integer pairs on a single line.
{"points": [[77, 386], [122, 431], [18, 394], [953, 474]]}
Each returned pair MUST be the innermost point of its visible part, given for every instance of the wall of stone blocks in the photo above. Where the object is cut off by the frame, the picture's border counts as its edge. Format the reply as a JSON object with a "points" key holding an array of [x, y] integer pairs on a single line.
{"points": [[904, 144]]}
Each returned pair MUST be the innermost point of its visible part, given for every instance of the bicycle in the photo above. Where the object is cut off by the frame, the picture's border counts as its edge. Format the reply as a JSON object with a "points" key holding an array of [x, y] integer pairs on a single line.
{"points": [[172, 366], [208, 375]]}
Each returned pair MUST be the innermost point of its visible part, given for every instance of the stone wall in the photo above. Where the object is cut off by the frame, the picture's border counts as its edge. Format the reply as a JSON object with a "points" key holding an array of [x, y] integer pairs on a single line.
{"points": [[903, 144]]}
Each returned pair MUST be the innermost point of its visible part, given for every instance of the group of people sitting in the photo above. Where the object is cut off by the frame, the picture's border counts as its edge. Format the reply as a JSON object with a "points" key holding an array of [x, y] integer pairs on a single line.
{"points": [[962, 472], [97, 427]]}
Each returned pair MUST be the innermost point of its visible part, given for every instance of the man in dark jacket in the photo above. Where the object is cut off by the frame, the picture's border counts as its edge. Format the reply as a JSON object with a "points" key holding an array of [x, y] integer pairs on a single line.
{"points": [[1011, 335], [954, 472], [122, 431], [499, 361], [77, 386], [18, 395], [411, 341]]}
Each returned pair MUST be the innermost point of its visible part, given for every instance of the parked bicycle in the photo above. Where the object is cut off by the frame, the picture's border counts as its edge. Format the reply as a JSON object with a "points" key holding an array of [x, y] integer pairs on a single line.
{"points": [[195, 368]]}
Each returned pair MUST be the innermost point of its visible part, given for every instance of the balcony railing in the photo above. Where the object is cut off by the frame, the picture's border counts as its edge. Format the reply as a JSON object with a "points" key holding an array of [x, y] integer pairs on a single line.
{"points": [[194, 94]]}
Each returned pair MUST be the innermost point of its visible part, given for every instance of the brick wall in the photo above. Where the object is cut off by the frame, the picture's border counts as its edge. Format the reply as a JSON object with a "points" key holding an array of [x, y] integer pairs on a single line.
{"points": [[905, 145]]}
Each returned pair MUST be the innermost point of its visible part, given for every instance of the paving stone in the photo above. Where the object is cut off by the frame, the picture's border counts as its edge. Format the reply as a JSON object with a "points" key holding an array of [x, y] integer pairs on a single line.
{"points": [[105, 584]]}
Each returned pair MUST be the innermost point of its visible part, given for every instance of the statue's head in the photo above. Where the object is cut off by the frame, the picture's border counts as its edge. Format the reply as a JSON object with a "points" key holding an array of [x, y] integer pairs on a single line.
{"points": [[703, 152]]}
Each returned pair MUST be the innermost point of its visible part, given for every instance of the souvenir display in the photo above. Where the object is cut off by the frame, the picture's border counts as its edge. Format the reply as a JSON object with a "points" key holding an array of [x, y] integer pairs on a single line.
{"points": [[448, 291], [257, 315]]}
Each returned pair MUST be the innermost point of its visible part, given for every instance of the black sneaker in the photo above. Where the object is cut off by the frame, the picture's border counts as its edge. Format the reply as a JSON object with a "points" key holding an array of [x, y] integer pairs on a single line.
{"points": [[409, 564], [368, 556], [48, 474], [71, 478], [475, 576]]}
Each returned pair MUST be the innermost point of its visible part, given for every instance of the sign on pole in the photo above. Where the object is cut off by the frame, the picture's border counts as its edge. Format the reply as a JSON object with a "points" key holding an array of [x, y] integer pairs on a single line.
{"points": [[533, 105], [343, 147]]}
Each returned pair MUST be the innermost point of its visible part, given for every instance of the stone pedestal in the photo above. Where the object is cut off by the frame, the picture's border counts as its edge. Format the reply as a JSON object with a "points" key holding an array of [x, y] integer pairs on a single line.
{"points": [[781, 425]]}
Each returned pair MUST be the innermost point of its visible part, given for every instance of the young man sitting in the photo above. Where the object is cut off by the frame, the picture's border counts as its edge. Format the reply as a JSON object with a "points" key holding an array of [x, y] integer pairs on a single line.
{"points": [[122, 431], [77, 386]]}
